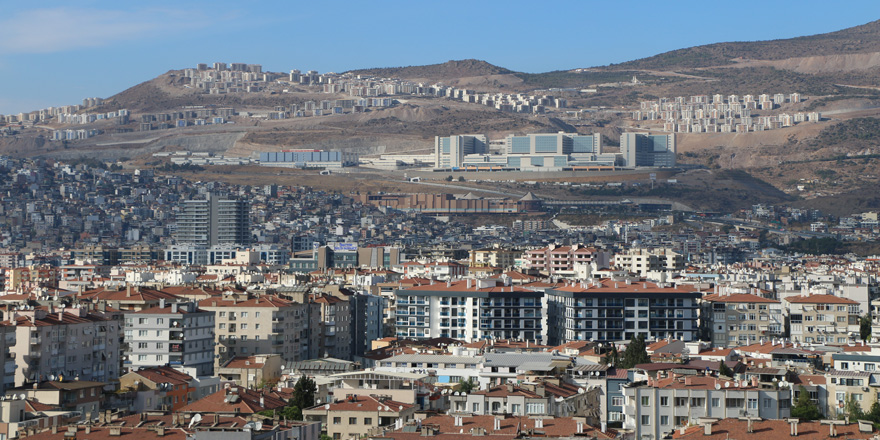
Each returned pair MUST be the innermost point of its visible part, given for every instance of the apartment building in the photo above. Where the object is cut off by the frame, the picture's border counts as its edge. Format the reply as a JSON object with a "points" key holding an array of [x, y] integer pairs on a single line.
{"points": [[7, 358], [823, 318], [335, 327], [609, 310], [663, 405], [561, 260], [175, 334], [214, 221], [261, 325], [642, 261], [741, 318], [356, 415], [645, 150], [156, 388], [449, 151], [69, 342], [493, 257], [470, 310]]}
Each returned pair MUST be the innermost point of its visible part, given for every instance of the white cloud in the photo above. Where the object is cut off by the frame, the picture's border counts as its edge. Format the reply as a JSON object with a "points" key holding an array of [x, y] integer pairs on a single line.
{"points": [[61, 29]]}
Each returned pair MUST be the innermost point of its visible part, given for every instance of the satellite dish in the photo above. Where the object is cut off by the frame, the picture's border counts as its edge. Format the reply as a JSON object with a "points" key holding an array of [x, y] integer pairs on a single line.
{"points": [[249, 426], [717, 386], [559, 399], [581, 391], [327, 406], [196, 419], [726, 384], [22, 397], [258, 426]]}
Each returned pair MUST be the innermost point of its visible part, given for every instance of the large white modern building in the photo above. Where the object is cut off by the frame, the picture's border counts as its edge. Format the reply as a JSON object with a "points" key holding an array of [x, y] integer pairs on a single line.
{"points": [[470, 310], [174, 334]]}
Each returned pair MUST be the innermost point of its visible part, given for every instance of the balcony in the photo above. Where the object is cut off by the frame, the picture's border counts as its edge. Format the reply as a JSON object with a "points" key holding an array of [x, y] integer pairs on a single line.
{"points": [[36, 340]]}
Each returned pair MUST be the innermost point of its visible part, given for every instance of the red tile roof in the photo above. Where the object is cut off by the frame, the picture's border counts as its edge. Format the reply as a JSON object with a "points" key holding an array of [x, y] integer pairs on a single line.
{"points": [[462, 286], [819, 299], [770, 430], [609, 285], [738, 298], [510, 426], [248, 402]]}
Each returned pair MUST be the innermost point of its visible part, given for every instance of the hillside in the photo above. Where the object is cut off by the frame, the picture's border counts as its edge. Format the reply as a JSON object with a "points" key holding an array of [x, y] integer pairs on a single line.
{"points": [[453, 69], [855, 40]]}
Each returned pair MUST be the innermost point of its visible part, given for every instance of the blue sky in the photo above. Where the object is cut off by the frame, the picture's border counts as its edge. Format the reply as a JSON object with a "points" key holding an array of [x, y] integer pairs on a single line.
{"points": [[60, 51]]}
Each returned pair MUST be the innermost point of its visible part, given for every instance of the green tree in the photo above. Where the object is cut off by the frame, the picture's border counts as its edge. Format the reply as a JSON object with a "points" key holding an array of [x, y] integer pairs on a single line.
{"points": [[865, 327], [853, 409], [874, 414], [612, 358], [449, 178], [724, 370], [805, 408], [303, 397], [466, 386], [636, 353]]}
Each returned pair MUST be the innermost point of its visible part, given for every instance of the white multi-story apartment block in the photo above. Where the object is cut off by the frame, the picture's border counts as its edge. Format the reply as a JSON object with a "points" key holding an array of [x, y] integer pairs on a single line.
{"points": [[263, 325], [561, 260], [666, 404], [642, 261], [741, 318], [823, 318], [174, 334], [470, 310], [69, 342]]}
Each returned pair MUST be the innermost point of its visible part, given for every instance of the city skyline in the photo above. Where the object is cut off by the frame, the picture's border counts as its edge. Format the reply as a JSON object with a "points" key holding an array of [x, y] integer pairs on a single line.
{"points": [[57, 55]]}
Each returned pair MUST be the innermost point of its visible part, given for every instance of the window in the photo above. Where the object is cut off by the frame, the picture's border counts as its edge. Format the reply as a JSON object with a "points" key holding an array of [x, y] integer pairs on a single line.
{"points": [[664, 401], [698, 401], [646, 401], [681, 401], [160, 320], [515, 408], [535, 408], [767, 403], [716, 402], [352, 420], [870, 367], [615, 416], [142, 345], [664, 420], [367, 420], [753, 403], [142, 333], [646, 420], [257, 315], [476, 407], [337, 420], [618, 400], [222, 314], [244, 314]]}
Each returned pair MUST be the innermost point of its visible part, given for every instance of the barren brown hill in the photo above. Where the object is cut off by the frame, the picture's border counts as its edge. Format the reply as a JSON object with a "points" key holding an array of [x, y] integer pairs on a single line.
{"points": [[450, 70], [855, 40]]}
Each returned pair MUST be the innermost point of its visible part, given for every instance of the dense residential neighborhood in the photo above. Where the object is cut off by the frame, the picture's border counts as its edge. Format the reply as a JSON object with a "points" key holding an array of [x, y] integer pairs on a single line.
{"points": [[166, 307]]}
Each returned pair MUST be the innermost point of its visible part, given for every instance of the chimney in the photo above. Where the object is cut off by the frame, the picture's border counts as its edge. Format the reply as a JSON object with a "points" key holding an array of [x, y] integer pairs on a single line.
{"points": [[794, 429], [115, 431], [707, 427], [128, 291], [88, 429], [161, 303], [160, 431], [539, 423], [497, 426]]}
